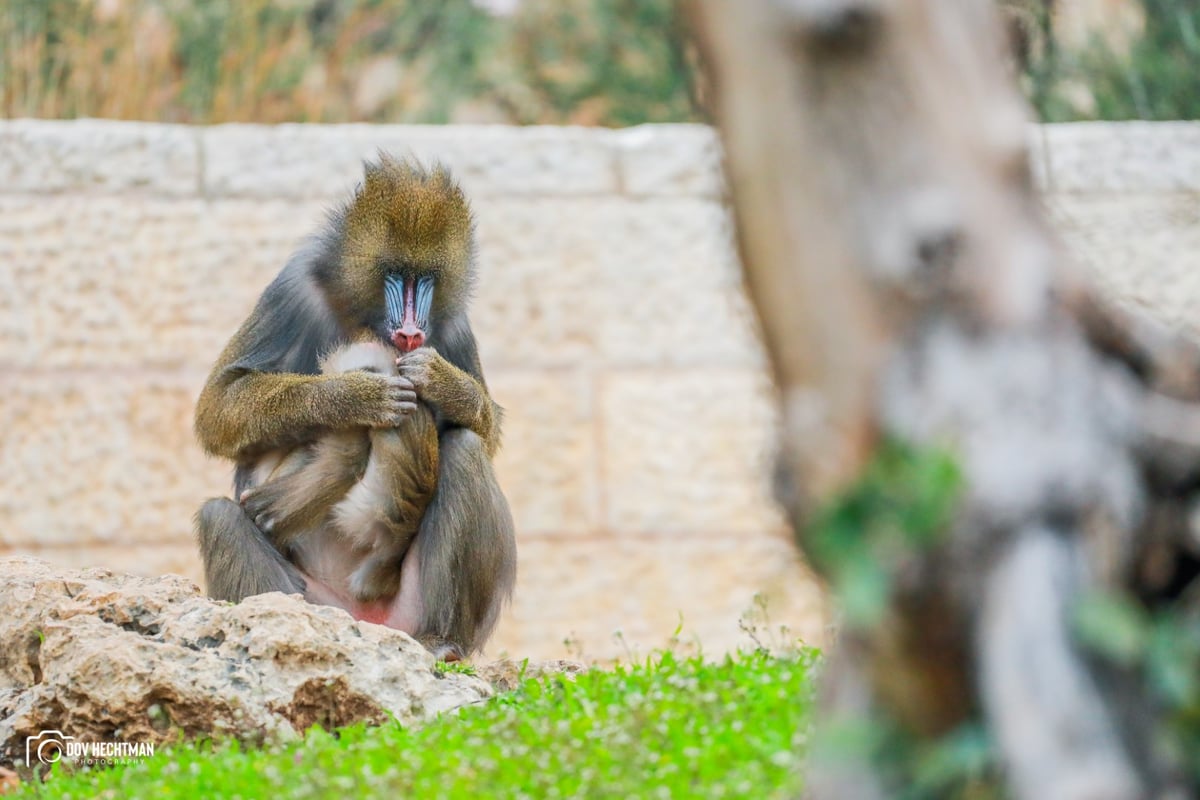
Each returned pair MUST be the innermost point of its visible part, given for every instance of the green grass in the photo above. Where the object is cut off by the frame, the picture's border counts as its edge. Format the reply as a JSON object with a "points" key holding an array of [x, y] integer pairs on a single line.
{"points": [[669, 727]]}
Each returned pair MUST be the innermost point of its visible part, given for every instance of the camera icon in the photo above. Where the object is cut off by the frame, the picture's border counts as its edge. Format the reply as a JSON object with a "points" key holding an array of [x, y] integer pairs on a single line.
{"points": [[47, 747]]}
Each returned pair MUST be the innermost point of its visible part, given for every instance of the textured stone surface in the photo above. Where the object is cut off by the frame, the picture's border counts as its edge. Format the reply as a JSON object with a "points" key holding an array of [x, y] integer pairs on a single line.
{"points": [[540, 301], [323, 161], [612, 281], [549, 462], [105, 281], [1129, 157], [1143, 249], [674, 297], [146, 559], [671, 160], [642, 588], [98, 156], [95, 457], [98, 655], [688, 451], [611, 321]]}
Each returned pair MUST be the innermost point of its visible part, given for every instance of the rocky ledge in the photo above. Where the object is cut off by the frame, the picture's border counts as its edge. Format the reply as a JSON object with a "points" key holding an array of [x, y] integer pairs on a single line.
{"points": [[108, 657]]}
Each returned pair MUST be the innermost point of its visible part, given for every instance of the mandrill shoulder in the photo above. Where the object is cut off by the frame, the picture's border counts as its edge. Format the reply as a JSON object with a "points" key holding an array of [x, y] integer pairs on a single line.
{"points": [[292, 324]]}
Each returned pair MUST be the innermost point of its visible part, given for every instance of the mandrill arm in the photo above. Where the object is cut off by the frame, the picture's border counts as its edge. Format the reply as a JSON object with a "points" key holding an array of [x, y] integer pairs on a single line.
{"points": [[264, 392], [255, 411], [462, 399]]}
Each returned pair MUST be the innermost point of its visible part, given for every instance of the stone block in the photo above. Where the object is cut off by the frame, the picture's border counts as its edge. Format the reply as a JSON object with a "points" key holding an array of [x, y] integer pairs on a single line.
{"points": [[542, 281], [96, 457], [325, 161], [688, 451], [92, 156], [671, 160], [548, 464], [136, 558], [1143, 250], [574, 596], [611, 281], [110, 282], [675, 295], [1135, 157]]}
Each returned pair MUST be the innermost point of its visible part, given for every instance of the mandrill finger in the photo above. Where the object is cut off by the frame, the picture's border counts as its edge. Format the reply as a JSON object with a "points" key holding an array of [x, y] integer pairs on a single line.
{"points": [[403, 395], [402, 410], [397, 411], [257, 508], [414, 373], [401, 382], [402, 388]]}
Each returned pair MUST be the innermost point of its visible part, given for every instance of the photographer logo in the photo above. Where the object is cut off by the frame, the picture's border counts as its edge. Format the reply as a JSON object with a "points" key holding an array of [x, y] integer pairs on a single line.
{"points": [[49, 747]]}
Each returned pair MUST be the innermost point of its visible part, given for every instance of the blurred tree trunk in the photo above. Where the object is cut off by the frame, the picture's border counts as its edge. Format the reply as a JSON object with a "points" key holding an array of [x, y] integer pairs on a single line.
{"points": [[910, 292]]}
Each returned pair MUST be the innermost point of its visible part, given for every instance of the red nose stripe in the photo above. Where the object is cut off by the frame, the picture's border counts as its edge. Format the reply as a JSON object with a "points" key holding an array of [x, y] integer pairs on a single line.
{"points": [[409, 336], [410, 303]]}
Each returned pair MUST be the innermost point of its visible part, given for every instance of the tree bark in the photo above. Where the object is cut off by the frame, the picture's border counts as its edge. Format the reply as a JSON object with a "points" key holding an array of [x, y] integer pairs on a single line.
{"points": [[909, 290]]}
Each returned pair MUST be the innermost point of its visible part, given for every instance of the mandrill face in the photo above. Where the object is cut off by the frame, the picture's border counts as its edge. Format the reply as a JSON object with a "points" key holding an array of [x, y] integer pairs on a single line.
{"points": [[405, 256], [409, 299]]}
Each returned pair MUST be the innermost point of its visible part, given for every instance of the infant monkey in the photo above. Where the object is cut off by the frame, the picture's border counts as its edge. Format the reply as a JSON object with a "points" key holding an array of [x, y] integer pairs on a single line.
{"points": [[345, 507]]}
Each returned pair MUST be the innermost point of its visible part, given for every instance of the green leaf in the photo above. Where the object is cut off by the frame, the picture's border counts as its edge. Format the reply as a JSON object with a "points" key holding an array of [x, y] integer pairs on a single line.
{"points": [[960, 756], [1173, 663], [862, 588], [1113, 625]]}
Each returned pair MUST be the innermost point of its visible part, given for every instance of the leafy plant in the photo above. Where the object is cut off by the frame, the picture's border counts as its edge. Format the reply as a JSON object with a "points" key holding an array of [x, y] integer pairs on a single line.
{"points": [[1160, 647], [1156, 80], [602, 62], [612, 62], [901, 506], [242, 60], [666, 727]]}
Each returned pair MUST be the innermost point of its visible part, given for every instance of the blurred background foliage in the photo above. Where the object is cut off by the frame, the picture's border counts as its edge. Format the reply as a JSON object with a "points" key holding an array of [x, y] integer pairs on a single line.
{"points": [[592, 62], [588, 62], [1109, 59]]}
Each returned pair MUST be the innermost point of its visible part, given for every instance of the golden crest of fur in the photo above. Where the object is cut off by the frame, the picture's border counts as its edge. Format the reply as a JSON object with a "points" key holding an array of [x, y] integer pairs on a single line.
{"points": [[407, 214]]}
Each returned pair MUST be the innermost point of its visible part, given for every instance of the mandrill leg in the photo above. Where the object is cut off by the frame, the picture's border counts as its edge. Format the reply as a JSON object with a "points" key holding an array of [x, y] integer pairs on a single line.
{"points": [[461, 567], [239, 561]]}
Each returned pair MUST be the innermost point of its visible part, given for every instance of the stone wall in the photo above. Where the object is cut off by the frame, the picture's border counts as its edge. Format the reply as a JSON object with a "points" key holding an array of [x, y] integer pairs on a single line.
{"points": [[611, 322]]}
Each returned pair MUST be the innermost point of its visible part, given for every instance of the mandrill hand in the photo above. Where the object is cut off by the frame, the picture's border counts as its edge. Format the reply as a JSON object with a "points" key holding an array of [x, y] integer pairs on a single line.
{"points": [[374, 401], [461, 399], [423, 367], [278, 512]]}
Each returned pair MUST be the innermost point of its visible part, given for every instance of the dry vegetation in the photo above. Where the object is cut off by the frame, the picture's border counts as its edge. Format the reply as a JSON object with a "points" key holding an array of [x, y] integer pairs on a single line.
{"points": [[579, 61]]}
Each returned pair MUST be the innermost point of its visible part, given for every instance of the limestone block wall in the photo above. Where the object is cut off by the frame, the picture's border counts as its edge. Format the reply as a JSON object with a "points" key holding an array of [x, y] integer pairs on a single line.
{"points": [[611, 322]]}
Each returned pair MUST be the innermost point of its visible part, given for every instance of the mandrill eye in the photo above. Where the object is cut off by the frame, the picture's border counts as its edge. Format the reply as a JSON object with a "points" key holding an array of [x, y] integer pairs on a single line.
{"points": [[424, 300], [393, 295]]}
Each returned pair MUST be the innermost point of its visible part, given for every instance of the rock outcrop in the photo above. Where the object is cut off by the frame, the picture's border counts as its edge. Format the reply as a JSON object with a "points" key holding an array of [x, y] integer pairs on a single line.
{"points": [[108, 657]]}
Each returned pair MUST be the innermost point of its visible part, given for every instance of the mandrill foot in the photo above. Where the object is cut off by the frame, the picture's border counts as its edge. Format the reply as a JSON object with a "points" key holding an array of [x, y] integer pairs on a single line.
{"points": [[443, 649]]}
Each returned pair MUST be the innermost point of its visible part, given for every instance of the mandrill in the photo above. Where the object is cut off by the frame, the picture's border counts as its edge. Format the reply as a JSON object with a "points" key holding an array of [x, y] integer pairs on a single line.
{"points": [[353, 403]]}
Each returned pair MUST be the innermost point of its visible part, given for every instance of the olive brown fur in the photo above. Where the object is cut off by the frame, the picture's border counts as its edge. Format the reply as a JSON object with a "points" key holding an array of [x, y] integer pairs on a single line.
{"points": [[267, 394]]}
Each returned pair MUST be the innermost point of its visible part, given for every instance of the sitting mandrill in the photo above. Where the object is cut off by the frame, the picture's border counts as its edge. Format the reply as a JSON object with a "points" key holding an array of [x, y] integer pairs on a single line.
{"points": [[404, 525]]}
